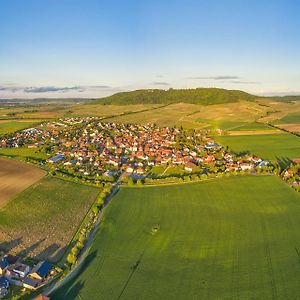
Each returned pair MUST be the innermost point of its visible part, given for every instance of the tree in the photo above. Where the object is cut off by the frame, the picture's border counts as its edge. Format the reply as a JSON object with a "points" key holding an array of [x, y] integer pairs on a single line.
{"points": [[71, 259], [203, 176], [75, 251], [139, 182], [95, 210]]}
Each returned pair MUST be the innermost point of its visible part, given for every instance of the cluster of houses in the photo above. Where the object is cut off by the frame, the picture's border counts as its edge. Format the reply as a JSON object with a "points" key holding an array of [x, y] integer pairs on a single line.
{"points": [[15, 272], [89, 147]]}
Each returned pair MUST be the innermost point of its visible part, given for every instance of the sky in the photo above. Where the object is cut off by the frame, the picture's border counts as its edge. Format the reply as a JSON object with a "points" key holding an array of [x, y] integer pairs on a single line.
{"points": [[94, 48]]}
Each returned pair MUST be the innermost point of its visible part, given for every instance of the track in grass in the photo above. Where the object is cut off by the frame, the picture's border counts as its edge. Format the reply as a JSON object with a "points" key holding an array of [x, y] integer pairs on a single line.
{"points": [[232, 238]]}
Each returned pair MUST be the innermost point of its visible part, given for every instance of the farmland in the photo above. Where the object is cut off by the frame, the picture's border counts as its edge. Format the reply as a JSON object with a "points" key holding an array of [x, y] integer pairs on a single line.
{"points": [[41, 221], [23, 153], [15, 177], [267, 146], [9, 126], [231, 238]]}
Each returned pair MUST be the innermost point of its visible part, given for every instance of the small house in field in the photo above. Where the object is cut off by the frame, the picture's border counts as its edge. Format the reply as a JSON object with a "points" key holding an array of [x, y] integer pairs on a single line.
{"points": [[41, 271]]}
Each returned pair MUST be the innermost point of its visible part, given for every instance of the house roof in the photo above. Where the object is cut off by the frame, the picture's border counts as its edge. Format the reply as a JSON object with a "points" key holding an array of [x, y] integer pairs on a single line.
{"points": [[4, 263], [44, 269], [41, 297], [4, 283], [31, 282]]}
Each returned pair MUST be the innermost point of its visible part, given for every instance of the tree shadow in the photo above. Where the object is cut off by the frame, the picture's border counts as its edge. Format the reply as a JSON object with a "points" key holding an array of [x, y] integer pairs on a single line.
{"points": [[73, 287], [56, 256], [47, 253], [10, 245], [283, 162], [25, 252]]}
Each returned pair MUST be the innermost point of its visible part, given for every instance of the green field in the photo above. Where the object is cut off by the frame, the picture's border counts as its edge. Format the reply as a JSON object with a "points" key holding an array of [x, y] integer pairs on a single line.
{"points": [[267, 146], [9, 126], [232, 238], [42, 220], [288, 119], [23, 152]]}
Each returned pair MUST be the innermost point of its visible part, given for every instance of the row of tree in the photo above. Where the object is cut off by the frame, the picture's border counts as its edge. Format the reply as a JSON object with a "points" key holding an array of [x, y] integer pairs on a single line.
{"points": [[88, 225]]}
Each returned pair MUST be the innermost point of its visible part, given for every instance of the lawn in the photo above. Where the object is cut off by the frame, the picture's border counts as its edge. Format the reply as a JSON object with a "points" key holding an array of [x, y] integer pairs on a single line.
{"points": [[42, 220], [232, 238], [267, 146]]}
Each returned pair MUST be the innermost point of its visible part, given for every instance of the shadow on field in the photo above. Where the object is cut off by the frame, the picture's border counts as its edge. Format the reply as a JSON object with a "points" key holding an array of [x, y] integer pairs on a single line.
{"points": [[8, 246], [283, 162], [73, 287], [30, 249], [58, 254], [48, 252]]}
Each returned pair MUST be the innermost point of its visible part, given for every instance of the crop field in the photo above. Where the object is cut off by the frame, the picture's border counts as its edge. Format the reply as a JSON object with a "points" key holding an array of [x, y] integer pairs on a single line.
{"points": [[289, 119], [35, 153], [233, 238], [198, 116], [267, 146], [9, 126], [165, 116], [15, 177], [41, 221], [105, 110]]}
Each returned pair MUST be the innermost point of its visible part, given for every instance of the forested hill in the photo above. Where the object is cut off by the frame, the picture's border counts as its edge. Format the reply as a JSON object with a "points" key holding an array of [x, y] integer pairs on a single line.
{"points": [[203, 96]]}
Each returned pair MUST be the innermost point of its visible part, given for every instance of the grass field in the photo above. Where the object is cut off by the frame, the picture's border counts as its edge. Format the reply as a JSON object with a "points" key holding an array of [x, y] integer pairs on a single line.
{"points": [[231, 238], [40, 221], [288, 119], [23, 152], [9, 126], [267, 146], [15, 177]]}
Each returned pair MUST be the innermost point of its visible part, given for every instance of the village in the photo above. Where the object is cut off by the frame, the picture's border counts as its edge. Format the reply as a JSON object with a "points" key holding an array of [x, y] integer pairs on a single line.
{"points": [[13, 271], [89, 148]]}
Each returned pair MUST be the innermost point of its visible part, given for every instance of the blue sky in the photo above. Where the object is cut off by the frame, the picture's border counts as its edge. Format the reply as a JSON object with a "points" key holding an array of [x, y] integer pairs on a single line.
{"points": [[89, 48]]}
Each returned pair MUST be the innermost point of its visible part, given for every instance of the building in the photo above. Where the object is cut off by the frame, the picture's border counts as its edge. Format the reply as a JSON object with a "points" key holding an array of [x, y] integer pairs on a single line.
{"points": [[56, 158], [41, 270], [41, 297], [21, 270], [30, 283], [4, 264], [4, 287]]}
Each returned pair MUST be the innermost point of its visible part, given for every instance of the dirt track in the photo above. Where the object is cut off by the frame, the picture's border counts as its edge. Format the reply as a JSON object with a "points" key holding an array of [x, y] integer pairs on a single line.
{"points": [[15, 177]]}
